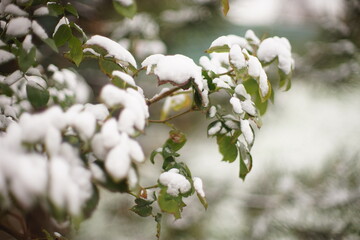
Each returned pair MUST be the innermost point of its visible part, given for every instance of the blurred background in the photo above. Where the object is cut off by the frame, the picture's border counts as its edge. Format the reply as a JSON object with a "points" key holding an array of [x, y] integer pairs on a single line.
{"points": [[305, 182]]}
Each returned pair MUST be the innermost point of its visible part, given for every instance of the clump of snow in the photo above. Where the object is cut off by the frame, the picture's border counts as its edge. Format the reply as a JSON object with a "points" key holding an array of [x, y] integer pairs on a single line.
{"points": [[274, 47], [231, 40], [249, 107], [215, 129], [240, 90], [237, 58], [236, 104], [254, 66], [125, 77], [198, 185], [18, 26], [263, 83], [113, 49], [135, 111], [176, 69], [247, 131], [38, 30], [125, 3], [41, 11], [99, 111], [15, 10], [5, 56], [251, 37], [175, 182], [212, 111]]}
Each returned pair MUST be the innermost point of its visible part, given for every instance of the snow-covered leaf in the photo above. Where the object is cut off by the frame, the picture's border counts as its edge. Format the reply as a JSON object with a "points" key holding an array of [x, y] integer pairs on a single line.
{"points": [[125, 8]]}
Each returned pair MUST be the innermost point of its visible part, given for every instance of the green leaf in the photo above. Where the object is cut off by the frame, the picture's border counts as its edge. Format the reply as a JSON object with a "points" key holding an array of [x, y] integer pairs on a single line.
{"points": [[218, 49], [170, 204], [71, 9], [260, 105], [202, 200], [62, 35], [251, 86], [227, 148], [126, 11], [176, 140], [26, 59], [76, 53], [108, 66], [51, 43], [153, 154], [244, 157], [79, 29], [142, 207], [5, 90], [55, 9], [38, 97], [285, 80], [158, 225], [225, 5], [209, 80], [267, 96]]}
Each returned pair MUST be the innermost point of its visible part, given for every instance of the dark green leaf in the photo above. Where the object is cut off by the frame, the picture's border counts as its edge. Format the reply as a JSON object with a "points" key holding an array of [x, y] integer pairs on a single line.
{"points": [[126, 11], [71, 9], [198, 100], [251, 86], [225, 5], [79, 29], [38, 97], [245, 161], [142, 207], [202, 200], [153, 154], [55, 9], [260, 105], [76, 53], [218, 49], [227, 148], [170, 204], [176, 140], [62, 35], [5, 90], [285, 80], [51, 43], [26, 59], [209, 80], [108, 66]]}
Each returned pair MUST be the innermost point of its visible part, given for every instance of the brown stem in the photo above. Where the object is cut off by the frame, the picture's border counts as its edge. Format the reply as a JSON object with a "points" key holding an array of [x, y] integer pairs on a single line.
{"points": [[172, 117], [161, 96]]}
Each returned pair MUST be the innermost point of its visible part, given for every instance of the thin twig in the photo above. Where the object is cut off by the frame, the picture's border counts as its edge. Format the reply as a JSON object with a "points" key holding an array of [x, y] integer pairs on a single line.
{"points": [[161, 96], [172, 117]]}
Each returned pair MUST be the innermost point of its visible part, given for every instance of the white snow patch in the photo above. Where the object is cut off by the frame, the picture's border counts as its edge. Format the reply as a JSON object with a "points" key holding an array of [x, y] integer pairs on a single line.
{"points": [[39, 30], [198, 185], [113, 49], [15, 10], [175, 182], [254, 66], [247, 131], [125, 77], [214, 129], [41, 11], [18, 26], [212, 111], [237, 58], [274, 47], [236, 104], [250, 36], [5, 56]]}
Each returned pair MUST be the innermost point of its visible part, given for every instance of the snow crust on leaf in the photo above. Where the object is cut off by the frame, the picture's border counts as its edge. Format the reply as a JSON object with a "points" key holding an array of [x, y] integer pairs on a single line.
{"points": [[198, 185], [251, 36], [15, 10], [125, 77], [263, 83], [249, 107], [236, 104], [237, 58], [274, 47], [5, 56], [175, 182], [18, 26], [240, 90], [247, 131], [38, 30], [230, 40], [113, 49], [254, 66], [41, 11], [118, 162], [214, 129], [212, 111]]}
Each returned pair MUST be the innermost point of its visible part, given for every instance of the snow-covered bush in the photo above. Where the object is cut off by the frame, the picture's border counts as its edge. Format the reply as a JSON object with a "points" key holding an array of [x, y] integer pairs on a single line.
{"points": [[57, 149]]}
